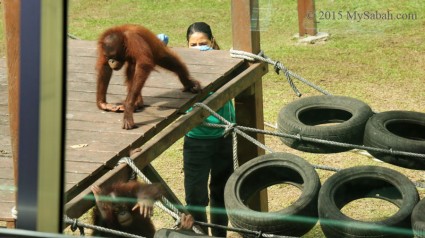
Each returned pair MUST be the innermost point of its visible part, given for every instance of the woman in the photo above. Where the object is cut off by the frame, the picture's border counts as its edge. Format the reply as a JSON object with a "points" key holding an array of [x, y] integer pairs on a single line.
{"points": [[206, 151]]}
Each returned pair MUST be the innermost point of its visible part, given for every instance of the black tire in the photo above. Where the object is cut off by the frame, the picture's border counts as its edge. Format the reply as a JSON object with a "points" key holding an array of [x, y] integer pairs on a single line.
{"points": [[397, 130], [366, 182], [169, 233], [304, 116], [418, 219], [262, 172]]}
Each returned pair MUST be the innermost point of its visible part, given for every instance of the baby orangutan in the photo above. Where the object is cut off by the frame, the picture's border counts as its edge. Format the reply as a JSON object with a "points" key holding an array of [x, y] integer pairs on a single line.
{"points": [[128, 207]]}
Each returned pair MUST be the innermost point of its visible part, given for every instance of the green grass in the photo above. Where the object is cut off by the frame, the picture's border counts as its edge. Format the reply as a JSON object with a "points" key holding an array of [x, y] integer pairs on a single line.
{"points": [[378, 61]]}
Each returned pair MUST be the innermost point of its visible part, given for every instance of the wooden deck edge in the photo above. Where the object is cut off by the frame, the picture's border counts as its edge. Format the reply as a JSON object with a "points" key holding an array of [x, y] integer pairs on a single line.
{"points": [[10, 222]]}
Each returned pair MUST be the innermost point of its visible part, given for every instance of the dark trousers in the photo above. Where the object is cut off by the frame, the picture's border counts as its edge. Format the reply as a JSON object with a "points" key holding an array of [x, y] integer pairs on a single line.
{"points": [[202, 157]]}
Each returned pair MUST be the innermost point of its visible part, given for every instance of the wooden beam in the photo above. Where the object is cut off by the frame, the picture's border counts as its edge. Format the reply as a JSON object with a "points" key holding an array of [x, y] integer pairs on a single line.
{"points": [[11, 11], [249, 104], [244, 38], [306, 18], [167, 137]]}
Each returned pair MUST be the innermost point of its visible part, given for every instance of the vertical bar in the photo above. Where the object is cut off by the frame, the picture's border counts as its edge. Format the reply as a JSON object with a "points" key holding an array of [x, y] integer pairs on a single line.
{"points": [[29, 109], [52, 121], [11, 10], [306, 17], [243, 38], [249, 104], [42, 106]]}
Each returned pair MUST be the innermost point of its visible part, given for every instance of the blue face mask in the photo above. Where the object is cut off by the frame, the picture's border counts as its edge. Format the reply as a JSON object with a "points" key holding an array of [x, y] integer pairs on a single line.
{"points": [[163, 38], [202, 47]]}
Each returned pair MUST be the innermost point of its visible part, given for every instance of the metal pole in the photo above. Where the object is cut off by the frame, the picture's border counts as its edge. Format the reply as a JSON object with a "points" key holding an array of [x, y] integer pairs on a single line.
{"points": [[42, 122]]}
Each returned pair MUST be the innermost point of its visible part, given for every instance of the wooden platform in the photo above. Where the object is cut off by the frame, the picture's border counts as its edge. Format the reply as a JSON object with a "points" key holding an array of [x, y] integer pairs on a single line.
{"points": [[94, 138]]}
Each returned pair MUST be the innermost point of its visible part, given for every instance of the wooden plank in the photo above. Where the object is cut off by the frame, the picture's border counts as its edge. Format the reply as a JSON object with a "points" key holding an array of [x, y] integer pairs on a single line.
{"points": [[122, 90], [156, 101], [98, 127], [5, 146], [3, 106], [156, 79], [81, 167], [3, 95], [87, 156], [98, 136], [5, 130], [82, 106], [12, 69], [112, 118], [4, 118], [87, 64], [5, 172], [5, 163], [7, 194], [74, 178], [160, 81]]}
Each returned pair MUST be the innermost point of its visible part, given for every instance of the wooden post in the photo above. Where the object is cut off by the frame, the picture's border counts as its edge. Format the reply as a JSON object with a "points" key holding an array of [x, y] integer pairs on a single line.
{"points": [[306, 17], [249, 104], [11, 9]]}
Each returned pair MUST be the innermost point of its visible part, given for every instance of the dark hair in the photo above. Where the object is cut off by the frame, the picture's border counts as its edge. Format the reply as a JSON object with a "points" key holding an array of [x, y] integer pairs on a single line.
{"points": [[204, 28]]}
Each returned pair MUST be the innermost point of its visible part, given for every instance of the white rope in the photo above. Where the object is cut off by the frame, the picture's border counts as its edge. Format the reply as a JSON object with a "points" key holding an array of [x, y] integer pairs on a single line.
{"points": [[277, 66], [14, 212]]}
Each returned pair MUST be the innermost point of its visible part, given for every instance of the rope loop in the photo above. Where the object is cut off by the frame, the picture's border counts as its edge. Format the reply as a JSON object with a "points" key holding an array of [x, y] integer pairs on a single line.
{"points": [[299, 137], [229, 129], [392, 152], [261, 54], [14, 213], [177, 224], [74, 225], [260, 234], [276, 67]]}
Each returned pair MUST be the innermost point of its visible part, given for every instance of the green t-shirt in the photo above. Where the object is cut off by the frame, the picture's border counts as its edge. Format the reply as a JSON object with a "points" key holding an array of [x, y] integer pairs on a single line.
{"points": [[205, 132]]}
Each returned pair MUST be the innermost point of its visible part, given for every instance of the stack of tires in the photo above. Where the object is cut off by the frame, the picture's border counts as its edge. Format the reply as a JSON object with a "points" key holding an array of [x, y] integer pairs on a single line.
{"points": [[342, 121], [346, 120], [325, 202]]}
